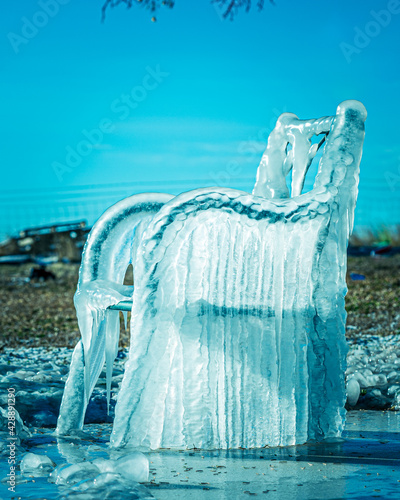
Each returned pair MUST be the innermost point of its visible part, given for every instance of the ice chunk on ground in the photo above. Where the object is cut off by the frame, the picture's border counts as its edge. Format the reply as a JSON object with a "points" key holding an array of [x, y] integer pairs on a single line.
{"points": [[77, 472], [36, 464], [104, 465], [353, 391], [20, 429], [133, 467], [396, 400], [107, 486], [56, 472]]}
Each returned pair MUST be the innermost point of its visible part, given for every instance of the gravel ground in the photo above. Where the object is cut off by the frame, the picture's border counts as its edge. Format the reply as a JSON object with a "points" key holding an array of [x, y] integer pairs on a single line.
{"points": [[40, 313], [43, 314], [373, 305]]}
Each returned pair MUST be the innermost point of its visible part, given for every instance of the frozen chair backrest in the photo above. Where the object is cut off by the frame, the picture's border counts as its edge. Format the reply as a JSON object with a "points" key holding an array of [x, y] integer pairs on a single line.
{"points": [[238, 319]]}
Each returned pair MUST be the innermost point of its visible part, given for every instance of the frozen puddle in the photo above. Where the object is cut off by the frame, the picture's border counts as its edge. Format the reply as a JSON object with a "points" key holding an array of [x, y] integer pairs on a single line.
{"points": [[365, 464]]}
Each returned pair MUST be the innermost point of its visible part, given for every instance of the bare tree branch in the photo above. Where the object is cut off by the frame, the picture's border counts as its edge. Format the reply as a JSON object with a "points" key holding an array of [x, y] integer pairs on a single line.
{"points": [[229, 8], [152, 5], [232, 7]]}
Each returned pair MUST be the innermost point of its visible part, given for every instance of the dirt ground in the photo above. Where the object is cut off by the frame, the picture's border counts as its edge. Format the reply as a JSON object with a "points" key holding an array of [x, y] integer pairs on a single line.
{"points": [[43, 314]]}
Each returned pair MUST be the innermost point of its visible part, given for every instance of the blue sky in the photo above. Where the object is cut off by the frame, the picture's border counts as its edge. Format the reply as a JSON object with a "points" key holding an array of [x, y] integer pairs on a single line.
{"points": [[218, 89]]}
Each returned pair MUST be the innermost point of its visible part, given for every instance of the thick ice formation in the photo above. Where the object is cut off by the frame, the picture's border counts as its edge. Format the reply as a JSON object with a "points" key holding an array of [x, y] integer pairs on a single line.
{"points": [[109, 250], [133, 467], [237, 327], [103, 478], [36, 465]]}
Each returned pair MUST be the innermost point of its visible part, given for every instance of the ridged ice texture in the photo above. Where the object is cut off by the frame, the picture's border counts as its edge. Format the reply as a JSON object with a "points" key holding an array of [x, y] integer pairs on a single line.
{"points": [[238, 309], [110, 248], [237, 328]]}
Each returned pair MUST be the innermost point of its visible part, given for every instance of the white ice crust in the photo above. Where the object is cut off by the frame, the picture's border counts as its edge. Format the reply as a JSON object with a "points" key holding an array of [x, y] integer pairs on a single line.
{"points": [[237, 326]]}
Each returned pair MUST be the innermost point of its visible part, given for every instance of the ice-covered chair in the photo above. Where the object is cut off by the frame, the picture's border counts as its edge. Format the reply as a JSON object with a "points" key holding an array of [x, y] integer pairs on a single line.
{"points": [[238, 318]]}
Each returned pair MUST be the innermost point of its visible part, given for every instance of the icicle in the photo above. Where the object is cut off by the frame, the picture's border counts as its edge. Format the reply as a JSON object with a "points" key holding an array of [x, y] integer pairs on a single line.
{"points": [[110, 248], [125, 314], [112, 331]]}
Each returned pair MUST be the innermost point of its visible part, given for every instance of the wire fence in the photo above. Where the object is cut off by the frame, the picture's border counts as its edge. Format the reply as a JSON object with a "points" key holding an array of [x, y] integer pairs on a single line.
{"points": [[20, 209], [377, 203]]}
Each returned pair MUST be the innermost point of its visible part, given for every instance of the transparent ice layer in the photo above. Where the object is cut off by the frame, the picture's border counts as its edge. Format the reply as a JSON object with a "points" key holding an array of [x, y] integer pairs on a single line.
{"points": [[237, 326]]}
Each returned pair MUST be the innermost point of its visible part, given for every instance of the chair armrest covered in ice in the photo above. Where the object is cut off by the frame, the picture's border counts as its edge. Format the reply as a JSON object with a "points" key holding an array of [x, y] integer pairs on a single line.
{"points": [[110, 248], [238, 319]]}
